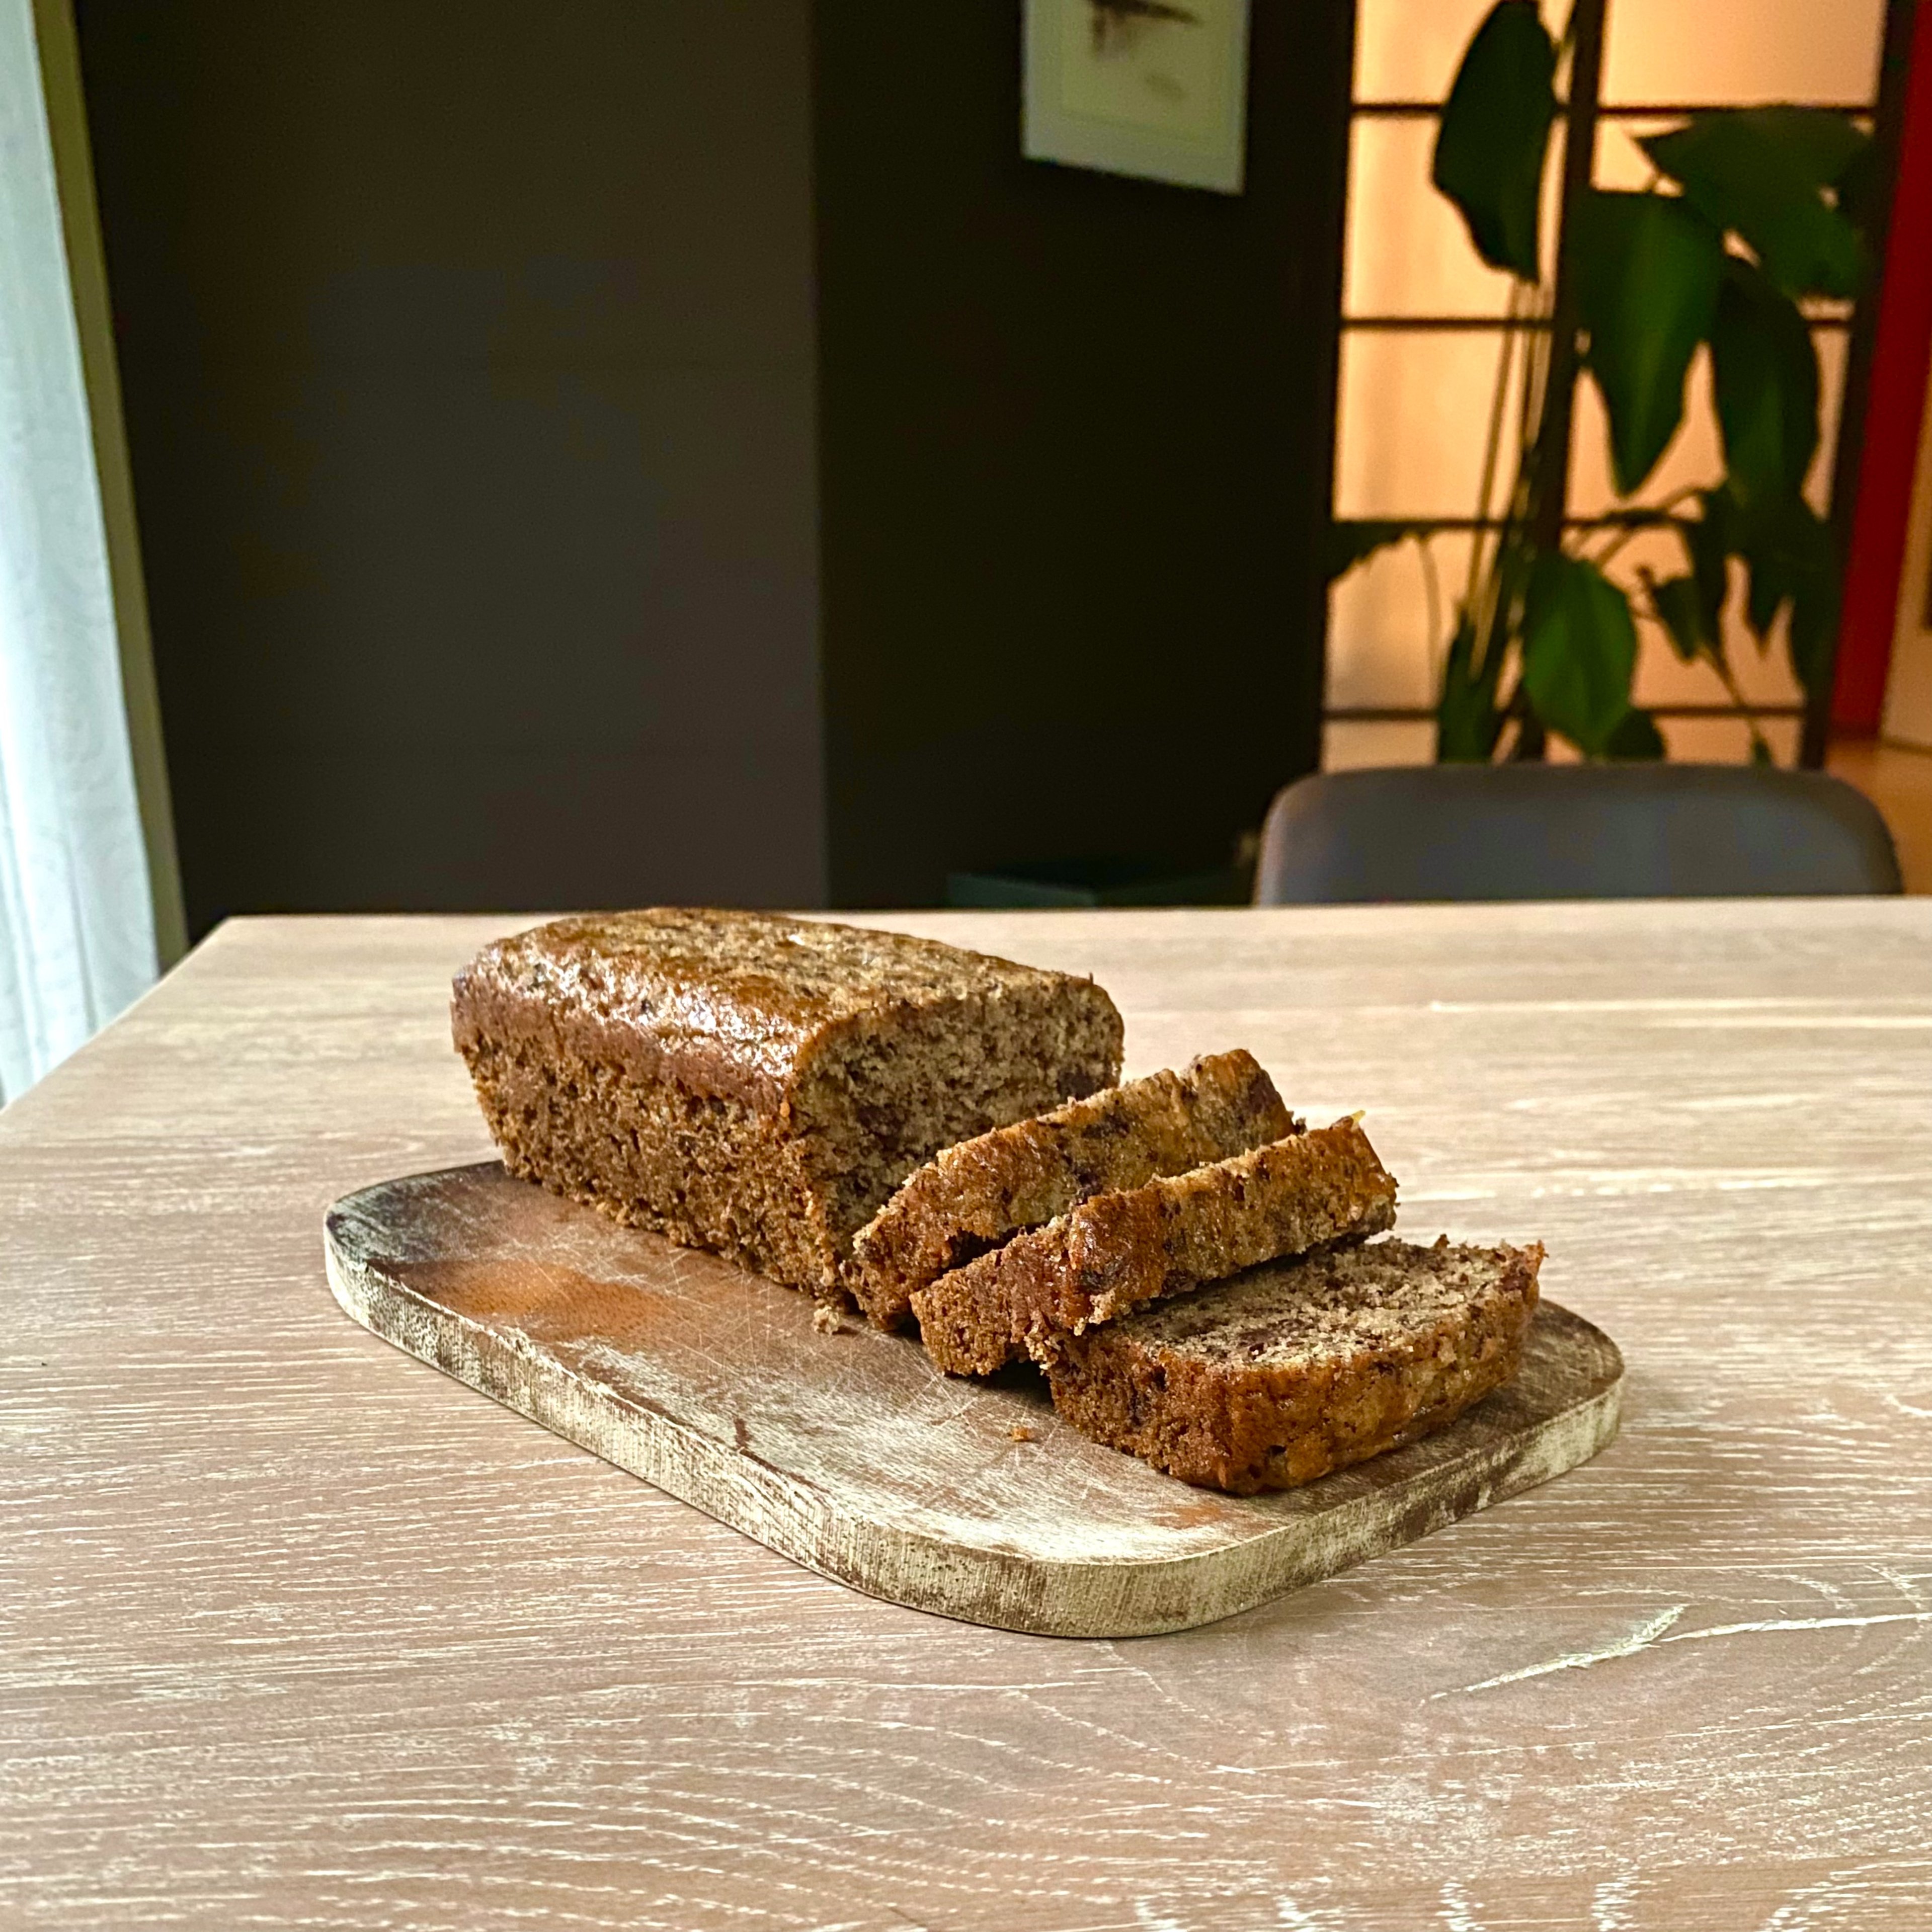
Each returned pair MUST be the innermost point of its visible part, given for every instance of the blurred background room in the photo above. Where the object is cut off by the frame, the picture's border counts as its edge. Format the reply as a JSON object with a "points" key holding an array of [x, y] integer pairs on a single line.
{"points": [[809, 453]]}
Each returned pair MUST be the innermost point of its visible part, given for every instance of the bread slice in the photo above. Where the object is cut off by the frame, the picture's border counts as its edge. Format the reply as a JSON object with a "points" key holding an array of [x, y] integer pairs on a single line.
{"points": [[1110, 1254], [972, 1197], [1295, 1368], [757, 1084]]}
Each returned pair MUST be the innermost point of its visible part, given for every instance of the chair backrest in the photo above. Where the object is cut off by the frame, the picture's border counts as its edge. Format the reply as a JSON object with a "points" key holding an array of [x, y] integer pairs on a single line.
{"points": [[1557, 831]]}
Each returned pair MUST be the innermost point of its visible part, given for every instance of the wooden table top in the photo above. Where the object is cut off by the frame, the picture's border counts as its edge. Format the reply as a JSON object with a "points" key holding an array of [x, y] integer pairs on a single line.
{"points": [[295, 1632]]}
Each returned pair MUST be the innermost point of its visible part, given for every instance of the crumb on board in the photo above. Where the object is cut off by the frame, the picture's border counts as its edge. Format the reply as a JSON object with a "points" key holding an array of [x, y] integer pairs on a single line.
{"points": [[1021, 1433], [825, 1319]]}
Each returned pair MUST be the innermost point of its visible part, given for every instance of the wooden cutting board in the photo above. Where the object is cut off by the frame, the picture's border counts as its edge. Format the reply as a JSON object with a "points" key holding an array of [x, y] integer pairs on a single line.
{"points": [[849, 1453]]}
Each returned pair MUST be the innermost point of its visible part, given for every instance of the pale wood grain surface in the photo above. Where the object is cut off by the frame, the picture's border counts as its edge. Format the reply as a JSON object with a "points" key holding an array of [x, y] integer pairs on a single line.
{"points": [[849, 1452], [290, 1638]]}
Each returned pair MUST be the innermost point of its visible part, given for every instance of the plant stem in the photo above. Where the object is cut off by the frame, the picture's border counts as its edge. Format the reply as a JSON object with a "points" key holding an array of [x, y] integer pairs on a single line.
{"points": [[1546, 467], [1533, 523], [1431, 591], [1551, 453], [1630, 530], [1493, 442], [1493, 610], [1714, 657], [1722, 666]]}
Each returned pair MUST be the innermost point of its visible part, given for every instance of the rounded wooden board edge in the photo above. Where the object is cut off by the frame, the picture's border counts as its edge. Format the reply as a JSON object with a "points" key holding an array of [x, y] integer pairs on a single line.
{"points": [[789, 1515]]}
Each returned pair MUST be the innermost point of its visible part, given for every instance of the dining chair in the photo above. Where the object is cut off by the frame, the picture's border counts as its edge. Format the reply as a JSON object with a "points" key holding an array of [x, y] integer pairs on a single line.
{"points": [[1555, 832]]}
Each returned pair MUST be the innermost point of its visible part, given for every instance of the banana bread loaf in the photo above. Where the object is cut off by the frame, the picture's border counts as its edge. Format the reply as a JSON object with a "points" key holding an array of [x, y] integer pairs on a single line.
{"points": [[757, 1084], [1111, 1253], [1294, 1369], [971, 1197]]}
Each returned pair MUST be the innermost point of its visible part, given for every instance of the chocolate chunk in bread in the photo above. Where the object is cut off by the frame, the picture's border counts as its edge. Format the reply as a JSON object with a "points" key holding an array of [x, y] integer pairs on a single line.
{"points": [[1111, 1253], [970, 1199], [1297, 1368], [757, 1084]]}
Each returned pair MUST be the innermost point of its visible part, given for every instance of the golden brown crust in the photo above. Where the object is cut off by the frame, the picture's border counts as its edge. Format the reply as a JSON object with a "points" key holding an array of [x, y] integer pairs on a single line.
{"points": [[725, 1002], [1112, 1253], [971, 1197], [757, 1084], [1282, 1375]]}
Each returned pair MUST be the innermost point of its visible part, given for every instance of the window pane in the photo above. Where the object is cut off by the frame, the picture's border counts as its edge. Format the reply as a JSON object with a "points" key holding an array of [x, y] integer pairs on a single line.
{"points": [[1620, 162], [1409, 49], [1743, 50], [1764, 677], [1726, 741], [1664, 50], [1383, 649], [1408, 252], [1348, 745], [1414, 410]]}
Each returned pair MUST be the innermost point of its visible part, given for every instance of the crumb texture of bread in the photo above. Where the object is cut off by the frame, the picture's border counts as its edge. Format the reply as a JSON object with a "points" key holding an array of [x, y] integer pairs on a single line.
{"points": [[974, 1196], [757, 1084], [1117, 1251], [1296, 1369]]}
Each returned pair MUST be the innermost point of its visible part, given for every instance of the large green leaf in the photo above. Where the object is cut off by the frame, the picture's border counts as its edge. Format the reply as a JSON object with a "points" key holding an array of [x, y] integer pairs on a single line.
{"points": [[1579, 651], [1823, 143], [1766, 173], [1647, 272], [1467, 721], [1766, 378], [1763, 544], [1680, 609], [1814, 628], [1691, 607], [1861, 192], [1637, 736], [1791, 558], [1350, 542], [1495, 135], [1709, 539]]}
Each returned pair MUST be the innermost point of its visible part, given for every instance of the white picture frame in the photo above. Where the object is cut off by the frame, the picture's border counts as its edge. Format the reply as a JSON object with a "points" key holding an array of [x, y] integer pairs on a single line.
{"points": [[1153, 88]]}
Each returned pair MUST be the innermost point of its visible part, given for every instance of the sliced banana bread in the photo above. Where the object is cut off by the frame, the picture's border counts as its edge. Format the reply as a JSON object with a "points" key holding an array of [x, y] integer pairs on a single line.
{"points": [[1294, 1369], [971, 1197], [1111, 1253], [757, 1084]]}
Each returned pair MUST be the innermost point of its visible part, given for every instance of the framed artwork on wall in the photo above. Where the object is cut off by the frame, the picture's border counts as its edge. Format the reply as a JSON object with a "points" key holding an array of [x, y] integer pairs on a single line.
{"points": [[1155, 89]]}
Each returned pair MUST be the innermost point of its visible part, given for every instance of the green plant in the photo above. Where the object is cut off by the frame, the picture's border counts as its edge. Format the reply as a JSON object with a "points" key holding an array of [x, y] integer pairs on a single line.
{"points": [[1748, 213]]}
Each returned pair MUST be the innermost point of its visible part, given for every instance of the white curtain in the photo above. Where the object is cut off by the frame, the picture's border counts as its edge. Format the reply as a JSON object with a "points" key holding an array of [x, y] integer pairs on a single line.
{"points": [[77, 921]]}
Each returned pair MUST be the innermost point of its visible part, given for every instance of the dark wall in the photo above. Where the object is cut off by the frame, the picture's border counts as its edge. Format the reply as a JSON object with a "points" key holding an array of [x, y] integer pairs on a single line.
{"points": [[1075, 436], [472, 358], [468, 367]]}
